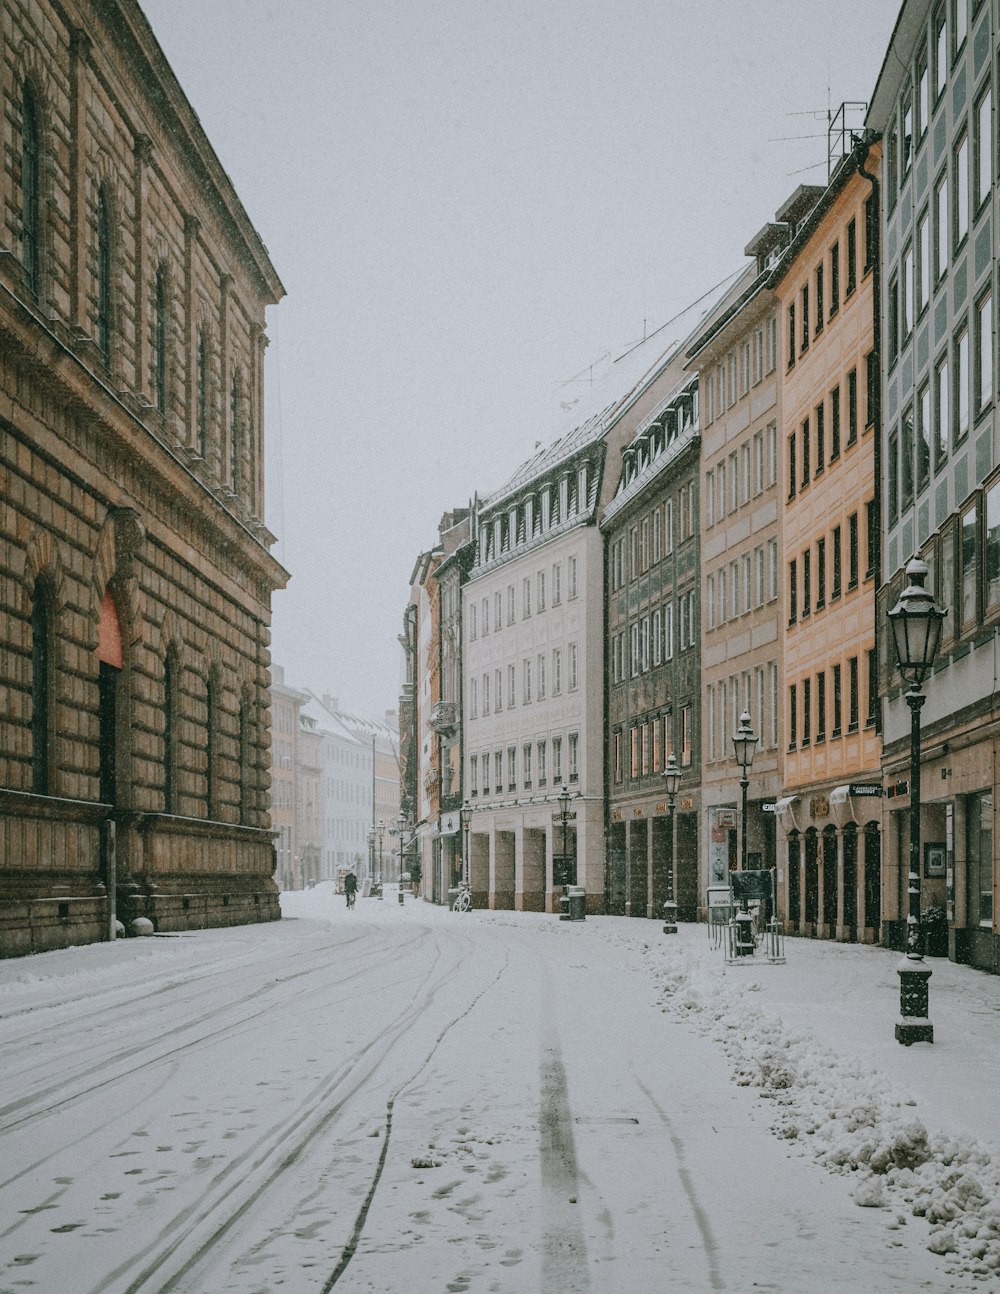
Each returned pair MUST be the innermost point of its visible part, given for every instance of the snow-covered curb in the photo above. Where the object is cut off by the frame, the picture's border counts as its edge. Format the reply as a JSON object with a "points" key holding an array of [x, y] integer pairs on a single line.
{"points": [[846, 1117]]}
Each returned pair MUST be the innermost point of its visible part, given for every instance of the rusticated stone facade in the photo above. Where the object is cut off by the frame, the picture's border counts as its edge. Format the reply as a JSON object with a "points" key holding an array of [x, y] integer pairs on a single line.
{"points": [[135, 576]]}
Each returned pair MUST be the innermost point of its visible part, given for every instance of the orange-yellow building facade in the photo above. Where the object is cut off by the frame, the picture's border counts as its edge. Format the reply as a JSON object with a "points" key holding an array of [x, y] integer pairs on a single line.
{"points": [[829, 809]]}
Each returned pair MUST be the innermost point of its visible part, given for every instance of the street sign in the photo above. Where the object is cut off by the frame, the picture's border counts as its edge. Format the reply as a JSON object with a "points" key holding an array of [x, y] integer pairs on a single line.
{"points": [[751, 885], [570, 817]]}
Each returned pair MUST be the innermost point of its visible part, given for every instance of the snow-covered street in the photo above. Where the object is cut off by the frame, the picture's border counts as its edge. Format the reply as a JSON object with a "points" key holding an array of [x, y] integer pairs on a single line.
{"points": [[399, 1098]]}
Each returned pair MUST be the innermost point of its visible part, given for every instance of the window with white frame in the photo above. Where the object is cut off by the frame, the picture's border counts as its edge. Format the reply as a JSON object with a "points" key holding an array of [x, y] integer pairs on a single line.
{"points": [[683, 629], [526, 597], [556, 584], [556, 671], [772, 565], [498, 610], [657, 535], [657, 636], [644, 642], [723, 603], [573, 680], [526, 681], [511, 689], [541, 749], [668, 525], [709, 498], [510, 604], [473, 698], [634, 636], [526, 751], [486, 694], [573, 754], [541, 678], [540, 589], [710, 600], [759, 574], [556, 760], [473, 622], [486, 616], [571, 578], [474, 774], [668, 631], [498, 684]]}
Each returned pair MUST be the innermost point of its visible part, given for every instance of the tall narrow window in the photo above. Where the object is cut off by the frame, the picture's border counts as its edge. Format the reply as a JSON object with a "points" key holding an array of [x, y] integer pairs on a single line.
{"points": [[941, 226], [245, 760], [234, 435], [30, 189], [960, 404], [941, 413], [211, 745], [104, 277], [984, 147], [170, 733], [961, 194], [923, 437], [41, 689], [160, 340], [852, 257], [203, 393], [984, 352]]}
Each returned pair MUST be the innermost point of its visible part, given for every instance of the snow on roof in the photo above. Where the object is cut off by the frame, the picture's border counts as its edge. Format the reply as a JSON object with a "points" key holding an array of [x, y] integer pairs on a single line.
{"points": [[349, 727]]}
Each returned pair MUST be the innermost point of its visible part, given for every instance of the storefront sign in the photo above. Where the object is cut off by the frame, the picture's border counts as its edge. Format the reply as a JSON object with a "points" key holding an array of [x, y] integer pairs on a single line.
{"points": [[865, 788], [769, 806], [897, 789]]}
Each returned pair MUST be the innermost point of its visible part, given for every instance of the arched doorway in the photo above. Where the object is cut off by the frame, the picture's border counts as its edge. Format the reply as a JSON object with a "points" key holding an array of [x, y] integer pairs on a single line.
{"points": [[830, 881], [812, 879], [794, 880], [851, 880], [873, 879], [110, 664]]}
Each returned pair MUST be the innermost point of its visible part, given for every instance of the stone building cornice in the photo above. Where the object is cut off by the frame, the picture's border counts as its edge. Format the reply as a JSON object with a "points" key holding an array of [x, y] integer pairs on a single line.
{"points": [[29, 342]]}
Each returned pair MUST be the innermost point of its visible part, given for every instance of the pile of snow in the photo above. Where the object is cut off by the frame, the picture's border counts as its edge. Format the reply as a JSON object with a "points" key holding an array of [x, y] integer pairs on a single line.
{"points": [[844, 1114]]}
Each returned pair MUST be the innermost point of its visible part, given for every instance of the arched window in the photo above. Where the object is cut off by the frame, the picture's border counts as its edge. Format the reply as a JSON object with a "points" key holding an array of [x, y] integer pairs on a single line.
{"points": [[234, 435], [160, 340], [170, 673], [41, 689], [30, 188], [104, 276], [202, 391]]}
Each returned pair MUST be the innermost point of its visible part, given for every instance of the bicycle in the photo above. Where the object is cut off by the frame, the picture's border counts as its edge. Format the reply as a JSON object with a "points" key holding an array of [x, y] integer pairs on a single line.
{"points": [[463, 899]]}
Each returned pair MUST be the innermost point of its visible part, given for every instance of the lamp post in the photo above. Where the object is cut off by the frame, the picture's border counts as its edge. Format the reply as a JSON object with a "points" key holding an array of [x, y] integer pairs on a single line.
{"points": [[671, 781], [745, 745], [916, 630], [380, 832], [371, 851], [562, 799], [465, 817]]}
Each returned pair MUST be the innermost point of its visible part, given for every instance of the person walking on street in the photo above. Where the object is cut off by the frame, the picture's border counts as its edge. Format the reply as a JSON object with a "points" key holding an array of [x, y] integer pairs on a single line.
{"points": [[350, 888]]}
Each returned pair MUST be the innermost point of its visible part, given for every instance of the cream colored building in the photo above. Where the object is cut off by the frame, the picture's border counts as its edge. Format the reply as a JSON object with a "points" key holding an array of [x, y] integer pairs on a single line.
{"points": [[533, 657]]}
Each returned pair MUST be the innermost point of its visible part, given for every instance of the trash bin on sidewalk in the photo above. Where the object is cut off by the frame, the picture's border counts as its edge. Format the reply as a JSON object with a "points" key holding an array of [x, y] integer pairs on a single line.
{"points": [[564, 904], [577, 903], [670, 917]]}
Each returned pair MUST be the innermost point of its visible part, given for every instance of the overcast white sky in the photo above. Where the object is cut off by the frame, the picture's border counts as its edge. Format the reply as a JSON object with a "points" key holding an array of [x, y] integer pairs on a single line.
{"points": [[468, 203]]}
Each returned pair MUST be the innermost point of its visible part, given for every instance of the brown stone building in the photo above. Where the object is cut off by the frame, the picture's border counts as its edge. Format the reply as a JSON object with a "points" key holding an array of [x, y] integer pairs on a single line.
{"points": [[135, 576]]}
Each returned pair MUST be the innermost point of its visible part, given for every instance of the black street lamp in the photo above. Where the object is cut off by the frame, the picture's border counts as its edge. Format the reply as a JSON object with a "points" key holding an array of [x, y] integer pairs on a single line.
{"points": [[916, 630], [671, 781], [563, 799], [465, 817], [745, 745], [380, 832], [371, 850]]}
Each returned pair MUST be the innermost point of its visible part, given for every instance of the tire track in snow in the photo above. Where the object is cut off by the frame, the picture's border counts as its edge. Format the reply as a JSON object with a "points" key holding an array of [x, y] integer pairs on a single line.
{"points": [[700, 1216], [351, 1247], [42, 1101], [244, 1182], [564, 1246]]}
